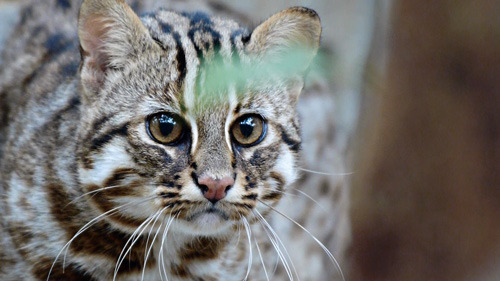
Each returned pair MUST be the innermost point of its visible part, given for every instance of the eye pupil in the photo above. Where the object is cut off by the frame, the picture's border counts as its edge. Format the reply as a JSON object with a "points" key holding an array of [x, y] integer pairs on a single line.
{"points": [[166, 125], [165, 128], [248, 130], [246, 127]]}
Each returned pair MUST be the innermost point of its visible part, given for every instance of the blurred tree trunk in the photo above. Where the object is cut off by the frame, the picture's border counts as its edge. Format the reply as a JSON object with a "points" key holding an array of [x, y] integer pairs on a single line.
{"points": [[426, 192]]}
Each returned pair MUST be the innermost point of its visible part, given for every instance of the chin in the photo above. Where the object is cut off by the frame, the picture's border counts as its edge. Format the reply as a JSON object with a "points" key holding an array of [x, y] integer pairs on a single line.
{"points": [[207, 222]]}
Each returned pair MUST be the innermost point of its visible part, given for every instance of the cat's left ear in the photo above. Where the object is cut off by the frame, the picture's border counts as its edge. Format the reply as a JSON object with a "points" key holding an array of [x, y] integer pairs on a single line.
{"points": [[111, 35], [289, 38]]}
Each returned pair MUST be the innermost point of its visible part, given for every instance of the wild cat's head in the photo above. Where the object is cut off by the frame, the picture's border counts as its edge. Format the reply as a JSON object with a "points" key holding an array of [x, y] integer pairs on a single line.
{"points": [[186, 115]]}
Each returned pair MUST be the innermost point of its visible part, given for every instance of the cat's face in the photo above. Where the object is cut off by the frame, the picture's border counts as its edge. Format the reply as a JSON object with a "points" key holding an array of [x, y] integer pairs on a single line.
{"points": [[158, 140]]}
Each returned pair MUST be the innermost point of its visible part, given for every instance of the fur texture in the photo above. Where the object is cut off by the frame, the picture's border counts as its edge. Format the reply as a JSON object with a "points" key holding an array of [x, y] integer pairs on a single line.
{"points": [[89, 194]]}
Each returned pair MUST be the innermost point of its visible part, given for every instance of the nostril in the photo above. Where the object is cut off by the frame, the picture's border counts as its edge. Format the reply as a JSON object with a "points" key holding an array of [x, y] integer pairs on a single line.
{"points": [[228, 188]]}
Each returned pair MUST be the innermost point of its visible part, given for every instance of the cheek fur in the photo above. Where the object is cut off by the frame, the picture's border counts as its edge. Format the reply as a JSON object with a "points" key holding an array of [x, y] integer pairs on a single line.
{"points": [[286, 165], [111, 157]]}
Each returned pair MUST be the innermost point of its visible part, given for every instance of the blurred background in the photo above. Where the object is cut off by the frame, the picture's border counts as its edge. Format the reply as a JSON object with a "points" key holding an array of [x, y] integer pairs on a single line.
{"points": [[406, 124]]}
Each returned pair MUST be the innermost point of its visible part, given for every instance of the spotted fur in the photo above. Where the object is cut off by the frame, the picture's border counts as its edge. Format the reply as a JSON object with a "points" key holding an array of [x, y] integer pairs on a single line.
{"points": [[77, 153]]}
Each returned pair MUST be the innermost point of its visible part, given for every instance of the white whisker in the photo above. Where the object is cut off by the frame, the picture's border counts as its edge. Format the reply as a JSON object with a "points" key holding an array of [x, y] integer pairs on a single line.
{"points": [[94, 192], [261, 258], [163, 241], [135, 236], [152, 228], [312, 199], [329, 254], [270, 234], [153, 242], [87, 226], [250, 255], [324, 173], [282, 245], [239, 234]]}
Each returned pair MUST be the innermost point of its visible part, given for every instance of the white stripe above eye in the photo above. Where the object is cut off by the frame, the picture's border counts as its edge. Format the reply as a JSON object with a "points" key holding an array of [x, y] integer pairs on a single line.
{"points": [[194, 128], [233, 103]]}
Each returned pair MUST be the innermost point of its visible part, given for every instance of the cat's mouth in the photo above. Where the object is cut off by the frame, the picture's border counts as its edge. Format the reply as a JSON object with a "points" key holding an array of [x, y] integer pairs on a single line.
{"points": [[209, 214]]}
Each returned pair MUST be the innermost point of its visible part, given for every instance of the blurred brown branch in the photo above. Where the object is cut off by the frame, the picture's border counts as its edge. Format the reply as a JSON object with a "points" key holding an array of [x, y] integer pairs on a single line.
{"points": [[426, 199]]}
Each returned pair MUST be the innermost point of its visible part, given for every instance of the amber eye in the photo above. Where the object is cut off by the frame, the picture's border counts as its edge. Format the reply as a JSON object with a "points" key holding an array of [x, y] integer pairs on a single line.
{"points": [[249, 130], [165, 128]]}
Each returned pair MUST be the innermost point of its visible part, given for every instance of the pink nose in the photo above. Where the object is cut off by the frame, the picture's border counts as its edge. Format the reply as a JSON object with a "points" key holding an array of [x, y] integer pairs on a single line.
{"points": [[215, 189]]}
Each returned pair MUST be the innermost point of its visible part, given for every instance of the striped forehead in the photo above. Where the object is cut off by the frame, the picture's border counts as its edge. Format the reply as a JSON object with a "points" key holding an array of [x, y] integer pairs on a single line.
{"points": [[198, 39]]}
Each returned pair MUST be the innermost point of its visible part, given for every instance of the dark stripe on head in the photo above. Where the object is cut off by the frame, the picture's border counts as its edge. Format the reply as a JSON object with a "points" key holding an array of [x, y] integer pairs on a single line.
{"points": [[97, 125], [180, 58], [198, 18], [236, 33], [159, 43], [165, 27], [201, 22], [237, 108], [234, 36], [245, 39]]}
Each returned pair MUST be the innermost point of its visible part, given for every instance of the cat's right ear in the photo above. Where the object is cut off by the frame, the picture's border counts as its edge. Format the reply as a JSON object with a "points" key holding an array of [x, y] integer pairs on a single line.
{"points": [[287, 43], [296, 27], [111, 35]]}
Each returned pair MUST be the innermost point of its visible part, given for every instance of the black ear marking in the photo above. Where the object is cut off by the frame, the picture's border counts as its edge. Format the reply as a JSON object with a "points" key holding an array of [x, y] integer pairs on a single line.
{"points": [[245, 39]]}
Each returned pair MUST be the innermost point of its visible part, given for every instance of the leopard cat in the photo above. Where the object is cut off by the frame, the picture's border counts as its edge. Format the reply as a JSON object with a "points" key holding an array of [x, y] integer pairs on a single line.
{"points": [[119, 162]]}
